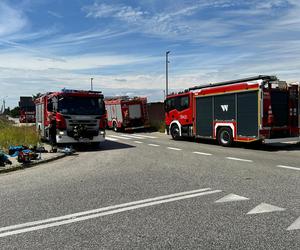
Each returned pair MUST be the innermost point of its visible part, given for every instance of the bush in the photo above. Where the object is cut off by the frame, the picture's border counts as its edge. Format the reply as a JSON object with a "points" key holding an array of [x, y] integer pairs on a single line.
{"points": [[12, 135], [158, 126]]}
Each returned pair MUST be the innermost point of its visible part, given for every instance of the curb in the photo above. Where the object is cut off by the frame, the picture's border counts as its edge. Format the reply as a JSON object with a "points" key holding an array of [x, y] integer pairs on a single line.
{"points": [[29, 165]]}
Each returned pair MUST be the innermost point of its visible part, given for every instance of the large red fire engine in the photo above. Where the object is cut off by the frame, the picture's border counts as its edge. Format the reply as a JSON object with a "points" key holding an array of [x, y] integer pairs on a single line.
{"points": [[77, 116], [258, 108], [125, 113]]}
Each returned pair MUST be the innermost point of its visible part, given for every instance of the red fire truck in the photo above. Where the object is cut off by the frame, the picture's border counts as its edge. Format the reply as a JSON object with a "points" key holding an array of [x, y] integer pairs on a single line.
{"points": [[27, 110], [260, 108], [77, 116], [125, 113]]}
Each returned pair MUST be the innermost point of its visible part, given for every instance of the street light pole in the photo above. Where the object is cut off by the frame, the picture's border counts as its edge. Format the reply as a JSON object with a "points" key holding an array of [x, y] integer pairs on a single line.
{"points": [[167, 73], [92, 83]]}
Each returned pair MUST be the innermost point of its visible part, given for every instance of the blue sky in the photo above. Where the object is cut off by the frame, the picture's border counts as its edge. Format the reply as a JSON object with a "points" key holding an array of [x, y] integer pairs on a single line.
{"points": [[50, 44]]}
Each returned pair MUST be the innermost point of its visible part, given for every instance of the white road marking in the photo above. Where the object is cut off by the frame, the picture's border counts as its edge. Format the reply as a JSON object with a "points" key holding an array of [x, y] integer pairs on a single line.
{"points": [[133, 136], [288, 167], [177, 149], [201, 153], [146, 136], [295, 225], [153, 145], [265, 208], [38, 225], [291, 142], [111, 139], [238, 159], [102, 209], [232, 197], [139, 142], [120, 137]]}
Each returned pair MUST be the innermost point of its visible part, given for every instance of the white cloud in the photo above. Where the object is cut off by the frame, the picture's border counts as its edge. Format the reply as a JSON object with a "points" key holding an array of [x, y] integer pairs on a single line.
{"points": [[11, 20], [117, 11], [15, 60], [55, 14]]}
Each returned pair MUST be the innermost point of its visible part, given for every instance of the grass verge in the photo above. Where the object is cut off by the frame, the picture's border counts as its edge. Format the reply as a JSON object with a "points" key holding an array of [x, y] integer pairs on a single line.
{"points": [[12, 135]]}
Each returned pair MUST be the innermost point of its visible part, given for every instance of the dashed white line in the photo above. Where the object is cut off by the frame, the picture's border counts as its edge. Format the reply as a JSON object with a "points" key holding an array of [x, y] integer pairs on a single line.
{"points": [[288, 167], [201, 153], [147, 136], [238, 159], [139, 142], [120, 137], [177, 149], [133, 136], [153, 145], [111, 139]]}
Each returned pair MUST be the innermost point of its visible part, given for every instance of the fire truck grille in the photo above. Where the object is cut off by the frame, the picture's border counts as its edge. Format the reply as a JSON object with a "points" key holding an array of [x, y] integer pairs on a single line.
{"points": [[87, 123]]}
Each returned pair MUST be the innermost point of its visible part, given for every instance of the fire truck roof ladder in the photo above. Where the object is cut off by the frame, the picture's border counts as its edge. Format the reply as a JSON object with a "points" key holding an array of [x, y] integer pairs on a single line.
{"points": [[249, 79], [64, 90]]}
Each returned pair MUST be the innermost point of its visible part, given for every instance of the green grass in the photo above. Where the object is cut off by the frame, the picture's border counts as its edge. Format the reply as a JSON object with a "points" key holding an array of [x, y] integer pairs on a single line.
{"points": [[12, 135]]}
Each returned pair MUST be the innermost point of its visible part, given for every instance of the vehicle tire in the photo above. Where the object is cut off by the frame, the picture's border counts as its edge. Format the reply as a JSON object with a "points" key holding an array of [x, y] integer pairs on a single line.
{"points": [[115, 128], [175, 132], [225, 137]]}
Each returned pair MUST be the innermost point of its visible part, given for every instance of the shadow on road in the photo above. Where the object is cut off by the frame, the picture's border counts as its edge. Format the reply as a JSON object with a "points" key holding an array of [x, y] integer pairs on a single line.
{"points": [[270, 147], [251, 146], [107, 145]]}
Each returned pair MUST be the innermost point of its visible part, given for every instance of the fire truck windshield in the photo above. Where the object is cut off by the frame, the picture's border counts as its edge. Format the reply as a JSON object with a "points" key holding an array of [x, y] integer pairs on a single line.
{"points": [[179, 103], [81, 105]]}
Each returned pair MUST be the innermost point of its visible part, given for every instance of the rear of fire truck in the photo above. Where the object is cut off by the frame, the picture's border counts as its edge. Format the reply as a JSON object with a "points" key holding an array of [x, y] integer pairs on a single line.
{"points": [[71, 116], [125, 113], [27, 110], [280, 117]]}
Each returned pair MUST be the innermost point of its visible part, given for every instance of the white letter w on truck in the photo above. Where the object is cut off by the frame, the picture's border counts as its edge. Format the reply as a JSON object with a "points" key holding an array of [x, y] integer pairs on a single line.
{"points": [[224, 107]]}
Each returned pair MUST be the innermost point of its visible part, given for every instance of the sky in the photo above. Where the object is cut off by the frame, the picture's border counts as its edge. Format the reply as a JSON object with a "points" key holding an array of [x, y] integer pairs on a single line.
{"points": [[47, 45]]}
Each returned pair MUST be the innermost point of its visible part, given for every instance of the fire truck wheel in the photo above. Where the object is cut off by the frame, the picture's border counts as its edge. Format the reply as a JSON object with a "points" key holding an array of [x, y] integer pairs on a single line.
{"points": [[175, 132], [225, 138]]}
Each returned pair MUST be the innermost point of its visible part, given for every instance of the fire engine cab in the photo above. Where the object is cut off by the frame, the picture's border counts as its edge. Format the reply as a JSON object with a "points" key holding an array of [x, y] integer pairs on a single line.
{"points": [[75, 116], [260, 108]]}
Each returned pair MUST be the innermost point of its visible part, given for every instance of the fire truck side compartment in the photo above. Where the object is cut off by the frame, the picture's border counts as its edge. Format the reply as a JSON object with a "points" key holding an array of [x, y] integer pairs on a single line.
{"points": [[279, 103], [239, 107], [247, 114], [224, 107], [204, 116]]}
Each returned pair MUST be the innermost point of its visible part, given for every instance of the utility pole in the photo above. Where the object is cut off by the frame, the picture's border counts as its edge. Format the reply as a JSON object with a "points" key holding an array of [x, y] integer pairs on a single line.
{"points": [[167, 73], [92, 83]]}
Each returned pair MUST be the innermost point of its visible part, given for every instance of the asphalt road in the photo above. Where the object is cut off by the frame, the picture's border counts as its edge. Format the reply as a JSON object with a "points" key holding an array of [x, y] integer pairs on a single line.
{"points": [[144, 190]]}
